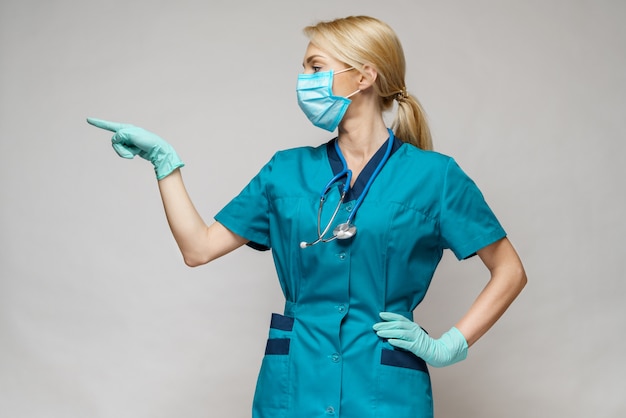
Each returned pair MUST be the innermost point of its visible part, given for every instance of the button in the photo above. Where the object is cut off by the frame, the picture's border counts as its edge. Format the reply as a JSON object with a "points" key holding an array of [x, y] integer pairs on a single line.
{"points": [[341, 256], [335, 357], [341, 308], [349, 207], [330, 410]]}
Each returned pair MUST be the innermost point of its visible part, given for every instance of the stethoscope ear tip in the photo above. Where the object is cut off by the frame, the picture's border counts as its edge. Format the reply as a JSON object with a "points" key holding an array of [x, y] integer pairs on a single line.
{"points": [[303, 244]]}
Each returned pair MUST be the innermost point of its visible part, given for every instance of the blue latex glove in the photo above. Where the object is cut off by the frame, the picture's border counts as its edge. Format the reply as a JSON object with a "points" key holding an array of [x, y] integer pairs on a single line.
{"points": [[130, 140], [406, 334]]}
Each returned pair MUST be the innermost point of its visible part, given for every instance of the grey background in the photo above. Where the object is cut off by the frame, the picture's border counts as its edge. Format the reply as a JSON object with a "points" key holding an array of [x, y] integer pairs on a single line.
{"points": [[100, 318]]}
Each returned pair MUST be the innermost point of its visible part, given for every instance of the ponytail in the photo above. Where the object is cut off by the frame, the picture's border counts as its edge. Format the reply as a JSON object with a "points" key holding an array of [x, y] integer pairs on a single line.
{"points": [[410, 124]]}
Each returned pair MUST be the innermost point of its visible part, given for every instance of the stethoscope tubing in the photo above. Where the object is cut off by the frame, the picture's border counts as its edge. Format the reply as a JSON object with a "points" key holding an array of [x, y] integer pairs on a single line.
{"points": [[379, 167], [348, 174]]}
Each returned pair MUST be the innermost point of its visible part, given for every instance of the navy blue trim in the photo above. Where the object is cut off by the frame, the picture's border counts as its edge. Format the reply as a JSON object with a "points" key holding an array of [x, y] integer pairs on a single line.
{"points": [[404, 359], [277, 346], [359, 184], [256, 246], [281, 322]]}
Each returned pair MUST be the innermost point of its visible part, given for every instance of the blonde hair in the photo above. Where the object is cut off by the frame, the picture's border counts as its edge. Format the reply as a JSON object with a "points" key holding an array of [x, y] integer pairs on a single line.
{"points": [[360, 40]]}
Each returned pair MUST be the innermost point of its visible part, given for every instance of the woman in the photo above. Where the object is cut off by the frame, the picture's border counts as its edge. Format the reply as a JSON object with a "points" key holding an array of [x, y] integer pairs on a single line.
{"points": [[346, 344]]}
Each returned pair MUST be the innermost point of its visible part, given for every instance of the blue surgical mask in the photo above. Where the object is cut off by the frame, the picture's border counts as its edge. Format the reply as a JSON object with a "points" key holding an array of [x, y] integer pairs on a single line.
{"points": [[317, 101]]}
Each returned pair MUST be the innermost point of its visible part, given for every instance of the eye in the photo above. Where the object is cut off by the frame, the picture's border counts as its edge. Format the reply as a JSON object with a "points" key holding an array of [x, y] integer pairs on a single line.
{"points": [[316, 68]]}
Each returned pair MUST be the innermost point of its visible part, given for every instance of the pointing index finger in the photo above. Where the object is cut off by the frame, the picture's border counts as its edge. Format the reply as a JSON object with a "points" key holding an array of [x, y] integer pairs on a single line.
{"points": [[104, 124]]}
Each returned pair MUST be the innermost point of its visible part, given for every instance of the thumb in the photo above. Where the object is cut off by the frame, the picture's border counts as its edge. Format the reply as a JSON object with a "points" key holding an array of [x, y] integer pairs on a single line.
{"points": [[390, 316], [125, 151]]}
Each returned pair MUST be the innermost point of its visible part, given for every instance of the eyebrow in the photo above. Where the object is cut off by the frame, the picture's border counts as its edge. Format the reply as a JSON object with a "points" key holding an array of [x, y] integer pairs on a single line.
{"points": [[313, 57]]}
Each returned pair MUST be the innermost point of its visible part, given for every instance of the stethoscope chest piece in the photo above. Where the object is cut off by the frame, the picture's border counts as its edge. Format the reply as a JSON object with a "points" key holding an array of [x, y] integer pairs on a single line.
{"points": [[344, 231]]}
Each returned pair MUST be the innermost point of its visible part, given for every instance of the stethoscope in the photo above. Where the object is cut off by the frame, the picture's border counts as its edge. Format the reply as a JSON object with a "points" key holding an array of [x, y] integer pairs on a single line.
{"points": [[346, 229]]}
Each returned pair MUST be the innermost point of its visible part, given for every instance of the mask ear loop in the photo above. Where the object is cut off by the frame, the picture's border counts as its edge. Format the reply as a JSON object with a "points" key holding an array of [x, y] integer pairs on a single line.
{"points": [[343, 71], [352, 94]]}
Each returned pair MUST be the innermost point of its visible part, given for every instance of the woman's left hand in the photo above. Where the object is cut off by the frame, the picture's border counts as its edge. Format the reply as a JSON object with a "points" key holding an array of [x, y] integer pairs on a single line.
{"points": [[406, 334]]}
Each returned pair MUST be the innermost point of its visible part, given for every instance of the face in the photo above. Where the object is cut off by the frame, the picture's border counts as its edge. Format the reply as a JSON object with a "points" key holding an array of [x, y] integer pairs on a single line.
{"points": [[316, 59]]}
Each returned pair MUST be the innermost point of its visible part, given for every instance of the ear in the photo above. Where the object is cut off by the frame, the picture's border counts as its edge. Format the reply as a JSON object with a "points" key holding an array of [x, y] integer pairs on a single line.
{"points": [[368, 76]]}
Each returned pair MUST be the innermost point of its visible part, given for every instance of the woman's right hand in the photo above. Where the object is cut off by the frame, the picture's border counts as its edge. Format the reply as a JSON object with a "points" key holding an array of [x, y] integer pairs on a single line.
{"points": [[129, 140], [198, 242]]}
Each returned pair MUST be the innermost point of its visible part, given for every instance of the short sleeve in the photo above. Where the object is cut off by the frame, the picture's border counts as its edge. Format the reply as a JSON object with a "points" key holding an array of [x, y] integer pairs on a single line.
{"points": [[247, 215], [467, 223]]}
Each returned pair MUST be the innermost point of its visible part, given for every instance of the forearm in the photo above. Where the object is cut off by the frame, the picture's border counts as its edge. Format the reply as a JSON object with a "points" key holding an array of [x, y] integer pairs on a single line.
{"points": [[186, 224], [507, 281]]}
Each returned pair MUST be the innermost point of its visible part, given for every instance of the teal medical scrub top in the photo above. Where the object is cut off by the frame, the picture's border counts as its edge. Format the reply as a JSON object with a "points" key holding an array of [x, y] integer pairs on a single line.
{"points": [[322, 358]]}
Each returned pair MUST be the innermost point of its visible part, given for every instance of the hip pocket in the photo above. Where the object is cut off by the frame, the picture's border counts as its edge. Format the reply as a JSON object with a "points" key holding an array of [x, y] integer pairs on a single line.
{"points": [[272, 394], [404, 388], [404, 359], [279, 338]]}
